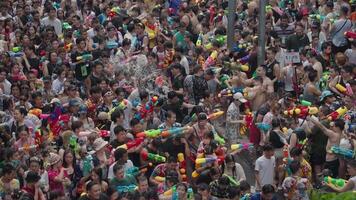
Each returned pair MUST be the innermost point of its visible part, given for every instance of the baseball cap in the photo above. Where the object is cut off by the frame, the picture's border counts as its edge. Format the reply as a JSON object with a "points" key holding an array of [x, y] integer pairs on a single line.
{"points": [[324, 94], [240, 97]]}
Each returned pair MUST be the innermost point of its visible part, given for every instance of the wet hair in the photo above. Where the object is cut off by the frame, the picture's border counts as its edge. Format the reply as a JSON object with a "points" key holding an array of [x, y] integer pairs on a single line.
{"points": [[312, 75], [117, 167], [119, 153], [276, 122], [134, 122], [90, 185], [340, 123], [268, 147], [116, 114], [268, 189], [118, 129], [143, 94], [294, 166]]}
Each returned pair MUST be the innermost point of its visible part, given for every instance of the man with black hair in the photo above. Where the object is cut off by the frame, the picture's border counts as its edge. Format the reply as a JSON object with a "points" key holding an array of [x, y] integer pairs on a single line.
{"points": [[163, 169], [264, 167], [334, 136], [121, 157], [121, 179], [52, 20], [120, 97]]}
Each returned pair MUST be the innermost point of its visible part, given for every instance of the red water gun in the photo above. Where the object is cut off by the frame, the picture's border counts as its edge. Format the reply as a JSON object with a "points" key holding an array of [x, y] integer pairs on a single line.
{"points": [[131, 144], [350, 34], [301, 111]]}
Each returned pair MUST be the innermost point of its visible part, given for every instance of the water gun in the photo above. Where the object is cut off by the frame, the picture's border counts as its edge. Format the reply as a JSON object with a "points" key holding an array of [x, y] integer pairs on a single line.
{"points": [[153, 157], [122, 105], [350, 34], [160, 179], [268, 8], [73, 144], [230, 92], [16, 49], [68, 47], [15, 55], [114, 11], [27, 147], [338, 182], [207, 160], [232, 180], [301, 111], [173, 132], [305, 103], [195, 174], [147, 108], [87, 165], [104, 133], [66, 26], [248, 123], [221, 39], [193, 118], [215, 115], [218, 138], [264, 127], [85, 57], [199, 40], [347, 153], [168, 58], [56, 5], [244, 59], [126, 188], [237, 66], [240, 47], [131, 144], [134, 171], [341, 88], [112, 45], [182, 166], [317, 16], [337, 113], [244, 146], [190, 194], [153, 133], [211, 59]]}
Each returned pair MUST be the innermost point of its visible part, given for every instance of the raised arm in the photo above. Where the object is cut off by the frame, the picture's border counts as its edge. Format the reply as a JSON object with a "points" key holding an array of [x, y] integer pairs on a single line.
{"points": [[325, 130]]}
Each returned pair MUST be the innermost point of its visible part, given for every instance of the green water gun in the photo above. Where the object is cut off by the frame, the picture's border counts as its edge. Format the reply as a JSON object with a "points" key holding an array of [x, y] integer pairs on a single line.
{"points": [[338, 182], [150, 133]]}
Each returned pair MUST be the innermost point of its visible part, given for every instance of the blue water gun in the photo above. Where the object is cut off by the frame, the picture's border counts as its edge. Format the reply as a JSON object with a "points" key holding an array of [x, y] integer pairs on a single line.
{"points": [[126, 188], [347, 153]]}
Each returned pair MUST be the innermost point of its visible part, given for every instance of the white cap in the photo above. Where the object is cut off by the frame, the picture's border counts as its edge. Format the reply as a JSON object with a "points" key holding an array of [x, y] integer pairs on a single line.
{"points": [[240, 97]]}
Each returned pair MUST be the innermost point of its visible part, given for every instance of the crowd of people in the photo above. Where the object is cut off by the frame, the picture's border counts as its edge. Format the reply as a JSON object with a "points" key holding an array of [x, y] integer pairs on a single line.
{"points": [[144, 99]]}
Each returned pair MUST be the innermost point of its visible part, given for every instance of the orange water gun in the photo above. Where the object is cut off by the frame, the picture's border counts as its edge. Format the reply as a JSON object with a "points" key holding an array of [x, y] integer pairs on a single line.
{"points": [[182, 166]]}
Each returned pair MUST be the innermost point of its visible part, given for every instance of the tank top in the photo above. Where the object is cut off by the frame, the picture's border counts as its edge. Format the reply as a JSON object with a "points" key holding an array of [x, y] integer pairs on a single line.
{"points": [[309, 97], [270, 70]]}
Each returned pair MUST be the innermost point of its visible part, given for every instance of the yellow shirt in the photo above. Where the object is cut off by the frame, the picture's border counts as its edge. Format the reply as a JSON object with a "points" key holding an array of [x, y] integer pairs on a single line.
{"points": [[9, 187]]}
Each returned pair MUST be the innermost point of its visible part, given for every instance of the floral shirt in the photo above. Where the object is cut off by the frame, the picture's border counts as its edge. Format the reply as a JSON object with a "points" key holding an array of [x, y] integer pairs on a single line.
{"points": [[295, 188], [306, 170], [233, 114]]}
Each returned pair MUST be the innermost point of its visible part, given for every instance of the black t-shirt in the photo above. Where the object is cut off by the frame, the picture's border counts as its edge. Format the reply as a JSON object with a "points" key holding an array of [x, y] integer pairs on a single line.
{"points": [[176, 108], [34, 64], [82, 70], [171, 148], [178, 82], [275, 140]]}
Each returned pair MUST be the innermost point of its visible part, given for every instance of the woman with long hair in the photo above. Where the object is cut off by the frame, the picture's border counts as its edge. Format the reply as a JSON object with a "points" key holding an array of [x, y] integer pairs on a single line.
{"points": [[73, 170]]}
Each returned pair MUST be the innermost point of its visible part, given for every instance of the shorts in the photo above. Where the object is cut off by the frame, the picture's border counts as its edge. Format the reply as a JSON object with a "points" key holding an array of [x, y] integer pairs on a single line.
{"points": [[333, 166], [317, 159]]}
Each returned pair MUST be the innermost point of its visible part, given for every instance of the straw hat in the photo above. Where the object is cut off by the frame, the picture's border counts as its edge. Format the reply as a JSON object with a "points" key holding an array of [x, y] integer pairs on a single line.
{"points": [[98, 144], [53, 158]]}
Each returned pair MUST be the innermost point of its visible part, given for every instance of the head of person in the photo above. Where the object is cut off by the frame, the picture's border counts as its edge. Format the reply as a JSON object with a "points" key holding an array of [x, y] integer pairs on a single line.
{"points": [[171, 163], [261, 71], [326, 48], [351, 168], [245, 187], [202, 120], [294, 167], [340, 59], [204, 190], [93, 190], [95, 92], [338, 125], [119, 171], [142, 184], [96, 174], [198, 70], [173, 97], [284, 20], [299, 29], [121, 155], [182, 189], [77, 126], [117, 116], [313, 75], [268, 151], [136, 125], [32, 178], [267, 192], [171, 117], [144, 95], [271, 53], [52, 12], [120, 133], [296, 153], [23, 132], [327, 97], [8, 172], [69, 158], [20, 113], [171, 178], [35, 164], [344, 10]]}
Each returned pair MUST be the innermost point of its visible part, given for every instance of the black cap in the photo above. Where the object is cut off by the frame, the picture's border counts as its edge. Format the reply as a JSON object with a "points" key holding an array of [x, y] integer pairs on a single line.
{"points": [[32, 177]]}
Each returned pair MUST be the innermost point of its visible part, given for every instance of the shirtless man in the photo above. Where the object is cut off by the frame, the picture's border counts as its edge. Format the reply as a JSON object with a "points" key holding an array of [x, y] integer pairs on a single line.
{"points": [[334, 137], [259, 94]]}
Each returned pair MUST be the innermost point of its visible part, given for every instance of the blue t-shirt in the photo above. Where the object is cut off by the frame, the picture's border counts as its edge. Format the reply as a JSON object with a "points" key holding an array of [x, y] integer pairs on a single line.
{"points": [[257, 196]]}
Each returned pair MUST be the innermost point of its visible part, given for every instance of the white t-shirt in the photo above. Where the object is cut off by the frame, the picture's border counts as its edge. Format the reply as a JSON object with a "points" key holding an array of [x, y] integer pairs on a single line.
{"points": [[353, 179], [265, 168], [127, 165]]}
